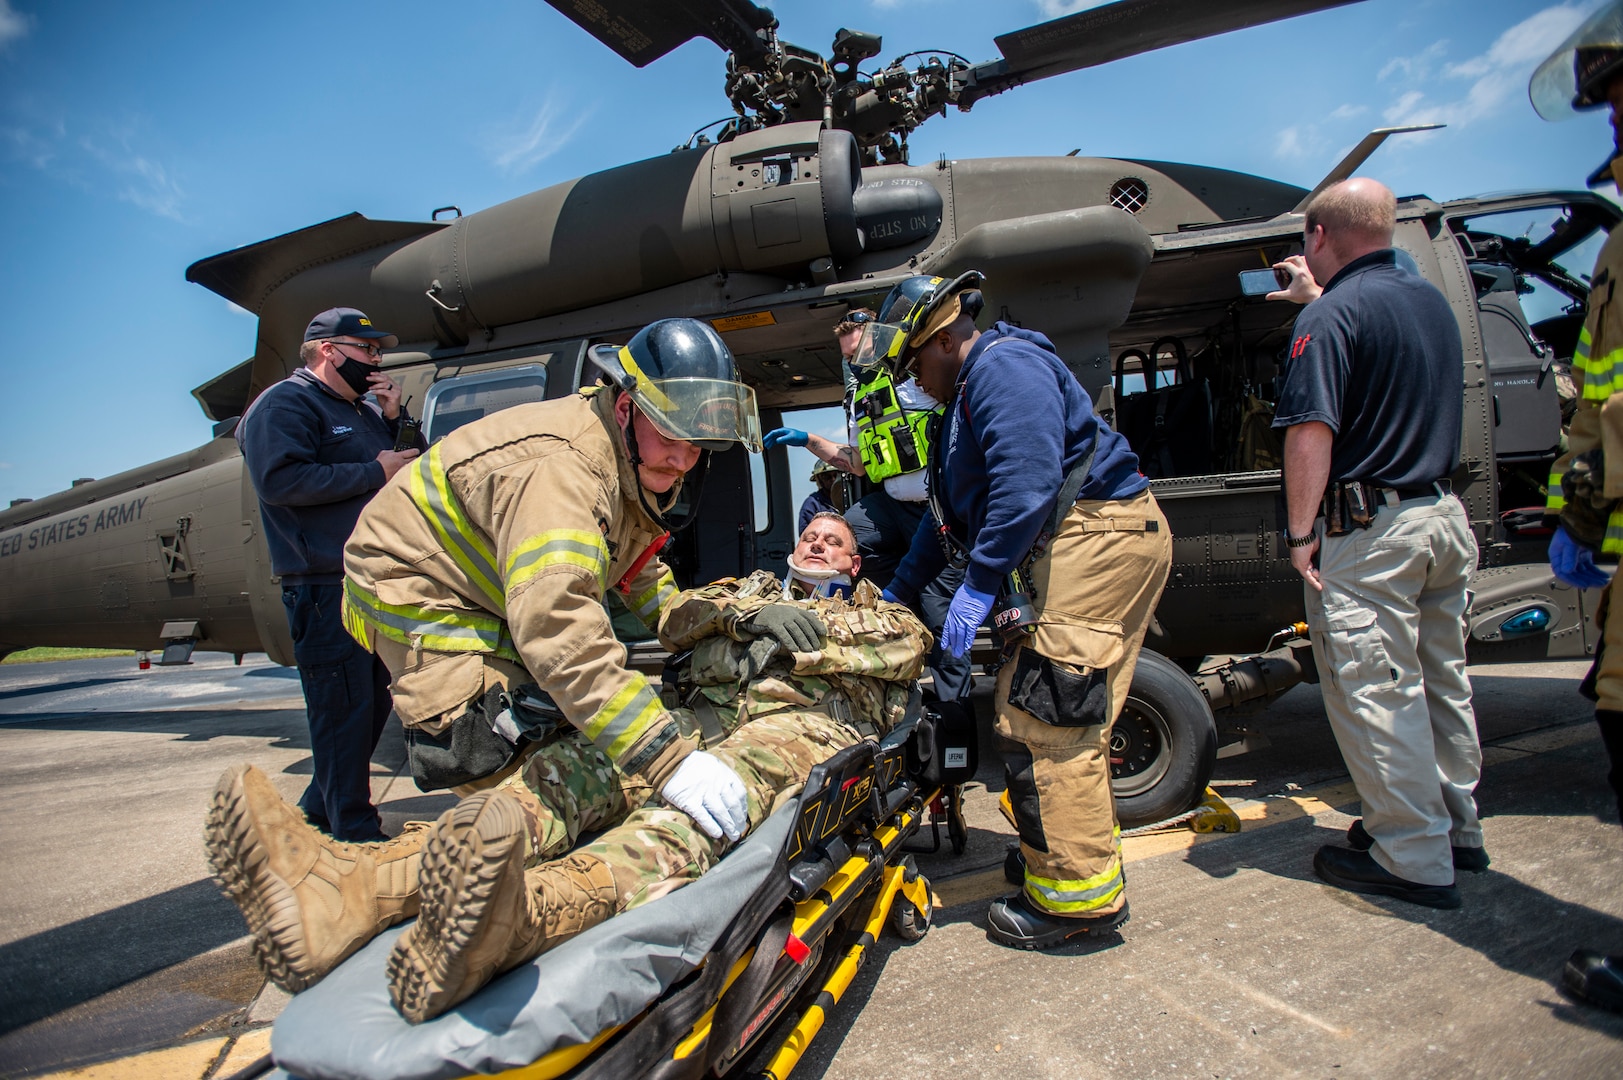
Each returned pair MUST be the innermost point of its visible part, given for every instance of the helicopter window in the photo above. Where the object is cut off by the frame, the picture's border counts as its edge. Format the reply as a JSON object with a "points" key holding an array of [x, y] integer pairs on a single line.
{"points": [[463, 399], [1551, 249]]}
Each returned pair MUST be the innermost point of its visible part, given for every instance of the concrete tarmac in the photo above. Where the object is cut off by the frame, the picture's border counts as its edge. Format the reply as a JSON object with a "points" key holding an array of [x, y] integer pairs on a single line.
{"points": [[1237, 961]]}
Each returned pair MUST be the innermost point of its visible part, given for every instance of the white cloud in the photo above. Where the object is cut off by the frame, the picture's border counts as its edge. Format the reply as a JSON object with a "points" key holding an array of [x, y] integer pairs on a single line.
{"points": [[238, 309], [13, 24], [1347, 112], [1418, 66], [519, 149], [1498, 77], [143, 182], [1289, 144]]}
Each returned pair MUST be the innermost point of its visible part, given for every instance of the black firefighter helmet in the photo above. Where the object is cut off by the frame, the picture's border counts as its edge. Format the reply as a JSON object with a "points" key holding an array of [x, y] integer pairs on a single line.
{"points": [[684, 380]]}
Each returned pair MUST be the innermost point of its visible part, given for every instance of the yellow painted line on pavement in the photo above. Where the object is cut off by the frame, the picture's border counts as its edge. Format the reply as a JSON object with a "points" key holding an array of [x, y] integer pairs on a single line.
{"points": [[189, 1061], [1257, 814], [249, 1048]]}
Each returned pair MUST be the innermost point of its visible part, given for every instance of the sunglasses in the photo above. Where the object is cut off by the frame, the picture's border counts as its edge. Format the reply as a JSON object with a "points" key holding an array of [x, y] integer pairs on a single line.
{"points": [[858, 318]]}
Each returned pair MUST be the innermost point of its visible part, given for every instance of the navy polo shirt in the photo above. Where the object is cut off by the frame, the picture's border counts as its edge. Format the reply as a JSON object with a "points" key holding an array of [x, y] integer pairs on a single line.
{"points": [[1377, 357]]}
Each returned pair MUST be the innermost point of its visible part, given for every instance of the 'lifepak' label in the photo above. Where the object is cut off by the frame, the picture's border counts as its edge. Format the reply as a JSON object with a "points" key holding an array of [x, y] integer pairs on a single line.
{"points": [[956, 757]]}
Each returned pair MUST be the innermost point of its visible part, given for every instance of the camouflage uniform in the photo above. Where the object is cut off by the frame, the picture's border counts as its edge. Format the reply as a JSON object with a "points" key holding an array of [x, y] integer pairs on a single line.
{"points": [[770, 716]]}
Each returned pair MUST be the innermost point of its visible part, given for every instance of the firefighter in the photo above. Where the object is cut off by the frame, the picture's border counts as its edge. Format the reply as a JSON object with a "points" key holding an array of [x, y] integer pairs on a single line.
{"points": [[478, 577], [1586, 484], [1064, 545], [770, 712]]}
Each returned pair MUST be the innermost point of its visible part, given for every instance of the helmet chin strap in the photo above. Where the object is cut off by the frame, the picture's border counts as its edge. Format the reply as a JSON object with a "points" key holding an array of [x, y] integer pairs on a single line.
{"points": [[822, 582], [694, 481]]}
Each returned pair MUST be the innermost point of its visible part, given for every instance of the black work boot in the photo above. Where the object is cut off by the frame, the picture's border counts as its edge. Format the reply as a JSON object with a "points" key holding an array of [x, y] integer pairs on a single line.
{"points": [[1472, 859], [1357, 871], [1015, 922], [1596, 978]]}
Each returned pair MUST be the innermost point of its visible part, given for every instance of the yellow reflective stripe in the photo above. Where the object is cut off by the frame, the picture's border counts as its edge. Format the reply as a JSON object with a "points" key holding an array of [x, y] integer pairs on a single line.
{"points": [[644, 385], [1612, 542], [647, 604], [1554, 500], [437, 631], [1088, 894], [431, 491], [354, 621], [625, 718], [1580, 355], [558, 547]]}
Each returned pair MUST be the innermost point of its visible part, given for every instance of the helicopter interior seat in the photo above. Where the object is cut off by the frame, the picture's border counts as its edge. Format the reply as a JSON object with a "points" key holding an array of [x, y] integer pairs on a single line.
{"points": [[1168, 419], [1527, 408]]}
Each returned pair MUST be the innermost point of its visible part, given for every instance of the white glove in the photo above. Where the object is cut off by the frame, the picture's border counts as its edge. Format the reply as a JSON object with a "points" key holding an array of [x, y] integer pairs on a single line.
{"points": [[707, 790]]}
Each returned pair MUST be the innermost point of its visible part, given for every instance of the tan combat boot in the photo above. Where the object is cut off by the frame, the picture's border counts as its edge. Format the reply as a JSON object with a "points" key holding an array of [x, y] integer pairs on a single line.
{"points": [[310, 900], [482, 914]]}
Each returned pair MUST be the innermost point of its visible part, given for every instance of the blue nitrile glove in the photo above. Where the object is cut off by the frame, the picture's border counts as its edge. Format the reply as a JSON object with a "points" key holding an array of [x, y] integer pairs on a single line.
{"points": [[888, 597], [785, 436], [964, 617], [1573, 563]]}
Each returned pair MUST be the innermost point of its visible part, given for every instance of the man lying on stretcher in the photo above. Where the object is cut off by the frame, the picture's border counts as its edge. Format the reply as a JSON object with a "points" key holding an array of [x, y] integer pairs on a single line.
{"points": [[784, 678]]}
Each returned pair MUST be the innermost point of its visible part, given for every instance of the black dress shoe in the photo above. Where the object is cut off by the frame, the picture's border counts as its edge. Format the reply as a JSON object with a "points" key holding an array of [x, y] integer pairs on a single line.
{"points": [[1357, 871], [1014, 922], [1473, 859], [1595, 978]]}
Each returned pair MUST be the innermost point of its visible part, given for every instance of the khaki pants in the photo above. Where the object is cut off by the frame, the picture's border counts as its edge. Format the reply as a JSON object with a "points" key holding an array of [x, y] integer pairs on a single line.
{"points": [[1094, 593], [1389, 641]]}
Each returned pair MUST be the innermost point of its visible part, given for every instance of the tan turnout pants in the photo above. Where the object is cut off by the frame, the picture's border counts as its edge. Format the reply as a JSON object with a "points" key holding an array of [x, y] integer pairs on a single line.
{"points": [[1094, 592]]}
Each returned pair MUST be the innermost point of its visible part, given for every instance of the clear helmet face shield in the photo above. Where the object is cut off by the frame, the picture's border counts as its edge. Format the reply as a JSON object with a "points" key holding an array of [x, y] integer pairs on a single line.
{"points": [[880, 344], [712, 414], [1555, 86]]}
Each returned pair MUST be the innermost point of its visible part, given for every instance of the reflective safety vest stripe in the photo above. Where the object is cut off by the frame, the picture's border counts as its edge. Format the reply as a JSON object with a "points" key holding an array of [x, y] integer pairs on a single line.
{"points": [[558, 547], [648, 604], [1612, 542], [892, 440], [625, 718], [416, 627], [1073, 897], [1603, 375], [431, 492]]}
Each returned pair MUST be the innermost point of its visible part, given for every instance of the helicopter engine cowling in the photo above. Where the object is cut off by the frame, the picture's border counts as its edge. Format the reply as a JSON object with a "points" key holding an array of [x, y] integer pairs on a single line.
{"points": [[769, 201]]}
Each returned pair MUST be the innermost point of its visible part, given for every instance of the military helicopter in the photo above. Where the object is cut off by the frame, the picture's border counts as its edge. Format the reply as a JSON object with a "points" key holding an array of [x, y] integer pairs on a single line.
{"points": [[802, 205]]}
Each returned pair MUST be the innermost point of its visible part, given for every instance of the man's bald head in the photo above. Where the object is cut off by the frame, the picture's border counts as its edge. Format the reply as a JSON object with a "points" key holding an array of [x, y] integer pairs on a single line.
{"points": [[1348, 220], [1361, 210]]}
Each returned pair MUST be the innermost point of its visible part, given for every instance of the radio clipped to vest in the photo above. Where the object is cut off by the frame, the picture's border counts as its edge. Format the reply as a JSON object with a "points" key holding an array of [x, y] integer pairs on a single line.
{"points": [[892, 440]]}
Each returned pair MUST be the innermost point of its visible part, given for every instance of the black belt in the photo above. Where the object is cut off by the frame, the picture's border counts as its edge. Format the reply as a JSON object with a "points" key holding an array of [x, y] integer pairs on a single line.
{"points": [[1428, 491]]}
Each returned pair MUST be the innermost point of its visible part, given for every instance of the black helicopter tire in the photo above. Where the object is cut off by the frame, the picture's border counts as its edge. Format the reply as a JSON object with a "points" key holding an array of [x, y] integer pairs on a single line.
{"points": [[1163, 746]]}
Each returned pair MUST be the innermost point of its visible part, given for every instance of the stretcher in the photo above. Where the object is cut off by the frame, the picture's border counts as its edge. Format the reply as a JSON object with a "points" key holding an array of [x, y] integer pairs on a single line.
{"points": [[668, 990]]}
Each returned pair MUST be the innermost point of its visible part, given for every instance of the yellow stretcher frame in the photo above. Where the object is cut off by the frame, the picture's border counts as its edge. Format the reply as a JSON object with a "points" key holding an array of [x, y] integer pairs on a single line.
{"points": [[814, 920]]}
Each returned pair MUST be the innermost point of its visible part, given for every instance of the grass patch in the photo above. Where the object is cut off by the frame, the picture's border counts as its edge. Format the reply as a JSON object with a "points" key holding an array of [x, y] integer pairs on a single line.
{"points": [[33, 656]]}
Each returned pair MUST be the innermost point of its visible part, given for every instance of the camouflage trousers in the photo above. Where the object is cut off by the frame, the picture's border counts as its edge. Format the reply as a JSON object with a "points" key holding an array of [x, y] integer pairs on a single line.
{"points": [[569, 788]]}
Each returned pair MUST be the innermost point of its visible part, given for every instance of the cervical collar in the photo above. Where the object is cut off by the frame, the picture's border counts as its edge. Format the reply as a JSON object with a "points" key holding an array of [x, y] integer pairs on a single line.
{"points": [[823, 583]]}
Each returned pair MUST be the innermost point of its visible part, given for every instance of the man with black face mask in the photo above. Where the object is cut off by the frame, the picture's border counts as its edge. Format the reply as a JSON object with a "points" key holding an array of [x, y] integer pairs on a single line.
{"points": [[317, 449]]}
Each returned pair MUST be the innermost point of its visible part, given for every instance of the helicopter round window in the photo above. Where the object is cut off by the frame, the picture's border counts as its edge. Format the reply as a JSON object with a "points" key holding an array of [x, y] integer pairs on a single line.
{"points": [[1130, 194]]}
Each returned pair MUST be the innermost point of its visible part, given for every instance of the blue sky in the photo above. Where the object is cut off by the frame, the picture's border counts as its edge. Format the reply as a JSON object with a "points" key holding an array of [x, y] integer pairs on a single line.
{"points": [[137, 138]]}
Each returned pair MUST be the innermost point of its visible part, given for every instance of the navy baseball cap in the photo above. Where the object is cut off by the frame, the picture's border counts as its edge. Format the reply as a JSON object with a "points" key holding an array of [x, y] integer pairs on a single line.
{"points": [[347, 322]]}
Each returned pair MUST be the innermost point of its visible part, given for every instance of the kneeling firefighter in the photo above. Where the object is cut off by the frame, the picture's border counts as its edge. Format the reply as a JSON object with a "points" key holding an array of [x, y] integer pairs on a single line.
{"points": [[1066, 548], [478, 577]]}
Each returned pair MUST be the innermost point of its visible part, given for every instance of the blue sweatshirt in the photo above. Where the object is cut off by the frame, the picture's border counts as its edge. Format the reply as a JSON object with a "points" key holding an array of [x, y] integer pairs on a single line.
{"points": [[1017, 424], [312, 457]]}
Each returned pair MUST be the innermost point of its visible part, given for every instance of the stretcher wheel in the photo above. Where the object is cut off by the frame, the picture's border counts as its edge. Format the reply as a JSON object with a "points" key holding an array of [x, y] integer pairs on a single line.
{"points": [[909, 922]]}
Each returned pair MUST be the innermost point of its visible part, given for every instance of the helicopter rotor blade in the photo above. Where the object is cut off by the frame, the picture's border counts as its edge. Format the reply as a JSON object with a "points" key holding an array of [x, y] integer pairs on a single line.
{"points": [[1116, 31], [642, 31]]}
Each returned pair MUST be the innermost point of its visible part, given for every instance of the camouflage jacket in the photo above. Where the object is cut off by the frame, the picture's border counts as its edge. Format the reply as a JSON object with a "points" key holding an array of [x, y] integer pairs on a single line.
{"points": [[862, 675]]}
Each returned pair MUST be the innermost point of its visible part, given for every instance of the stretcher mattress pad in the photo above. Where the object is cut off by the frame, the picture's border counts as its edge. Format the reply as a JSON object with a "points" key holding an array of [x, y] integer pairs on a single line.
{"points": [[345, 1027]]}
